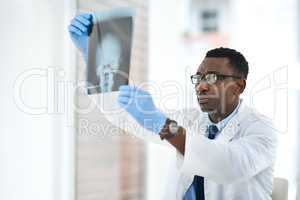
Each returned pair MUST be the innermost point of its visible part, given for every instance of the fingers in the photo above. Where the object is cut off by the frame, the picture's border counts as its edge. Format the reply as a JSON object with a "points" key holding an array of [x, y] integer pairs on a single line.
{"points": [[87, 16], [126, 90], [81, 24], [83, 20], [126, 94], [73, 29], [129, 95], [123, 100]]}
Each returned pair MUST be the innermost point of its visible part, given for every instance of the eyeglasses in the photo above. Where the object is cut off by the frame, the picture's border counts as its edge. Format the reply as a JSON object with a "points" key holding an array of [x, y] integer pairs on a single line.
{"points": [[211, 78]]}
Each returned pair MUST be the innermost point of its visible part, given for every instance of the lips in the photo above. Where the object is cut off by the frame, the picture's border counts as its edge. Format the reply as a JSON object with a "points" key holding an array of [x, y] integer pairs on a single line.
{"points": [[203, 99]]}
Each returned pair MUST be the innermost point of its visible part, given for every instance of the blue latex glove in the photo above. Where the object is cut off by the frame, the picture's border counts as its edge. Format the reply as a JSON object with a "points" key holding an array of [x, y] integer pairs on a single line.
{"points": [[80, 28], [139, 104]]}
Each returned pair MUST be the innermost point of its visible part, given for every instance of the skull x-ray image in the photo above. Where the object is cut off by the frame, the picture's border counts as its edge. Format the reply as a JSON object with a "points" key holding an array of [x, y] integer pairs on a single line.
{"points": [[109, 51], [108, 59]]}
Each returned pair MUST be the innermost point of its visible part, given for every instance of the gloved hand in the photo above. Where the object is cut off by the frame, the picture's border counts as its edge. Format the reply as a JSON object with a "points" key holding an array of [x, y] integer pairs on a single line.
{"points": [[80, 28], [139, 104]]}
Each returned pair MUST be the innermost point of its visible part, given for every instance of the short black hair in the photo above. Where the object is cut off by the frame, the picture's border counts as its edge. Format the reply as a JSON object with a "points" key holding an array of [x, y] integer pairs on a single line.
{"points": [[236, 59]]}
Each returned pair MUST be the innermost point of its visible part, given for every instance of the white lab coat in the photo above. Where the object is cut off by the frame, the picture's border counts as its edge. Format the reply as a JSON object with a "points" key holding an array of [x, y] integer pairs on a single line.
{"points": [[237, 165]]}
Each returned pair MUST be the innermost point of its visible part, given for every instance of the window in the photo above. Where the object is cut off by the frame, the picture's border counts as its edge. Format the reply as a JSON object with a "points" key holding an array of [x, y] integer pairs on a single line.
{"points": [[209, 21]]}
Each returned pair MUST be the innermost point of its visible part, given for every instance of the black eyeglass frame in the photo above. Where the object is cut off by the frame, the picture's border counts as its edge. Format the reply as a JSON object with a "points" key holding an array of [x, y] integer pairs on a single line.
{"points": [[218, 77]]}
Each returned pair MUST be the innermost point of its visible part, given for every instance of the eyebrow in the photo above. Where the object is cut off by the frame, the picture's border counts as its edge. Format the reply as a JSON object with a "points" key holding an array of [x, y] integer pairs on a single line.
{"points": [[215, 72]]}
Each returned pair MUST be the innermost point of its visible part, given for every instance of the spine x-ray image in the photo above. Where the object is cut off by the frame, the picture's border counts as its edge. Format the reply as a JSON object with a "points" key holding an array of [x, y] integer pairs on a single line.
{"points": [[109, 51]]}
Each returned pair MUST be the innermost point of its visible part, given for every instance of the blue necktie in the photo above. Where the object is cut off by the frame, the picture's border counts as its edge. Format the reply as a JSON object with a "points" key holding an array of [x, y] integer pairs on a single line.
{"points": [[212, 131], [198, 182]]}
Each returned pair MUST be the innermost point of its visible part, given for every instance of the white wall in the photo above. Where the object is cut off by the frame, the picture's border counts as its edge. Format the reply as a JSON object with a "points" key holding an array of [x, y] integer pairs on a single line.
{"points": [[33, 35]]}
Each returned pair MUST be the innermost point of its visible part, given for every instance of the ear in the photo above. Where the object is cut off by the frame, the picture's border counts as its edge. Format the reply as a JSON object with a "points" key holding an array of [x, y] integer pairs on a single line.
{"points": [[241, 86]]}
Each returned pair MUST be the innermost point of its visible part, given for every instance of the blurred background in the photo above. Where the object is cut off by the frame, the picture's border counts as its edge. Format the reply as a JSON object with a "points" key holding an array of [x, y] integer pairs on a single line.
{"points": [[54, 142]]}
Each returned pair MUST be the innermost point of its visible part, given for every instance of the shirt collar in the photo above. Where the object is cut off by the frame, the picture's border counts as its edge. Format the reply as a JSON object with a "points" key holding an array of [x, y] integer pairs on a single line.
{"points": [[221, 124]]}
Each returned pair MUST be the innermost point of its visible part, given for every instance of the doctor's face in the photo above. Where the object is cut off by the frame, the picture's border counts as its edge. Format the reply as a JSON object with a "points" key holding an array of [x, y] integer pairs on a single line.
{"points": [[218, 85]]}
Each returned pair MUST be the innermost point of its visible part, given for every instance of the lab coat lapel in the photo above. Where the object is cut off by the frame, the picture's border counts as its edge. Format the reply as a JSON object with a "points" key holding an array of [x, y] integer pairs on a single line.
{"points": [[233, 126]]}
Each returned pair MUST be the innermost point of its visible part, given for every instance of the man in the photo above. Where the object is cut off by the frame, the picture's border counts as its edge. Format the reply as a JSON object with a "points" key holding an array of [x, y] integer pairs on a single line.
{"points": [[225, 150]]}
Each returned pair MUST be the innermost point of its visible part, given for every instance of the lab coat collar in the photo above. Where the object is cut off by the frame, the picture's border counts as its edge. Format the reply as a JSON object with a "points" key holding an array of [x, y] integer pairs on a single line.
{"points": [[233, 125], [222, 124], [199, 120]]}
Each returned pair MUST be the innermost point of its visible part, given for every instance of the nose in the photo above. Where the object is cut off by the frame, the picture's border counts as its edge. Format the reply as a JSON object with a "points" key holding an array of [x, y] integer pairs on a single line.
{"points": [[202, 88]]}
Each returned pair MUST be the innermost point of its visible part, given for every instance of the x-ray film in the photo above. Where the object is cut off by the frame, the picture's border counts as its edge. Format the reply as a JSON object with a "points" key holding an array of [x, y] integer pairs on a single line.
{"points": [[109, 50]]}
